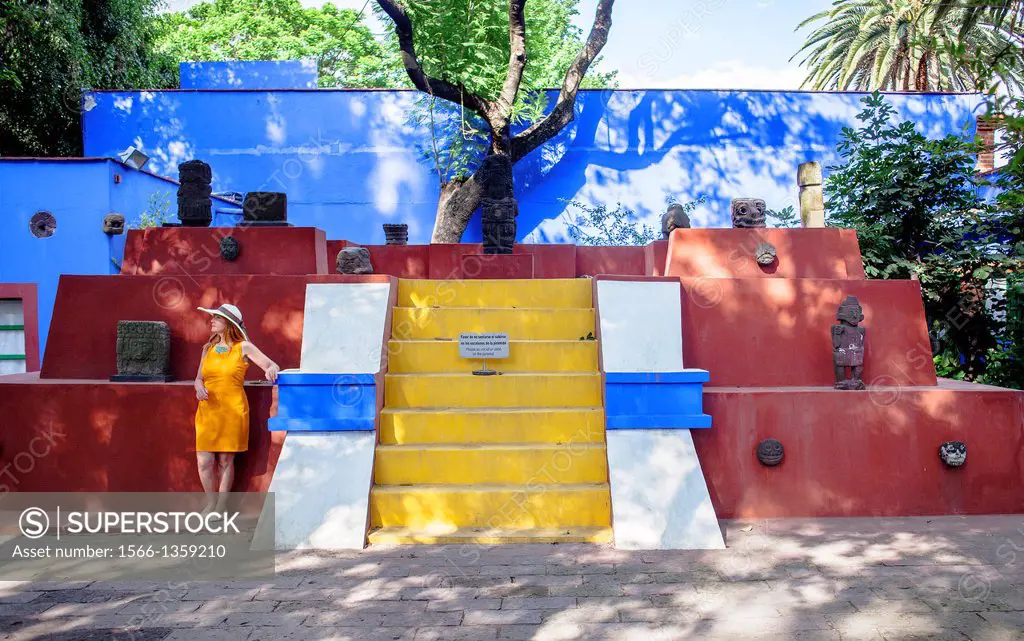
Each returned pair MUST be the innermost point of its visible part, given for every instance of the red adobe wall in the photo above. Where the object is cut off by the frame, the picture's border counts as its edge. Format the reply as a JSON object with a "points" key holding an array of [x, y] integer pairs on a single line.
{"points": [[729, 253], [118, 437], [196, 251], [761, 332], [28, 293], [82, 343], [869, 453]]}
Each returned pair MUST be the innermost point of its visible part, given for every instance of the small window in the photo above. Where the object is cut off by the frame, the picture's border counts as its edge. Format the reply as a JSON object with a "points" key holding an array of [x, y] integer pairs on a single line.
{"points": [[12, 336], [43, 224]]}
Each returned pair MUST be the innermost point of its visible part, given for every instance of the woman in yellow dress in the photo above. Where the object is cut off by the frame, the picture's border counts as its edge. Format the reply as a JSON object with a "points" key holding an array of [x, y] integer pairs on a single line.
{"points": [[222, 420]]}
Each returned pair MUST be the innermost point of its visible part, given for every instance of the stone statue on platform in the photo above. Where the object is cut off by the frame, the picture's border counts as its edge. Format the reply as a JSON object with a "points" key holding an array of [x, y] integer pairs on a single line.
{"points": [[354, 260], [748, 212], [848, 345], [674, 218]]}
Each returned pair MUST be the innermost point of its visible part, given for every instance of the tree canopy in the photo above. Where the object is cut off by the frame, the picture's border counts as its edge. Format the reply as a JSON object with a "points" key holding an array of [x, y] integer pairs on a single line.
{"points": [[346, 51], [907, 45], [51, 49]]}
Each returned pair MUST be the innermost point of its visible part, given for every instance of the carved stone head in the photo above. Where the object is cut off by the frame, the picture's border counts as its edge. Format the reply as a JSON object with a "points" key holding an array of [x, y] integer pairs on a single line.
{"points": [[765, 254], [113, 224], [850, 311], [674, 218], [748, 212], [229, 248], [953, 453]]}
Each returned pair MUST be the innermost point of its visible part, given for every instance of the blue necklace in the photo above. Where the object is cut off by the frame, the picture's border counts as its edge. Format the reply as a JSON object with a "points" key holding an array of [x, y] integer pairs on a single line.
{"points": [[220, 348]]}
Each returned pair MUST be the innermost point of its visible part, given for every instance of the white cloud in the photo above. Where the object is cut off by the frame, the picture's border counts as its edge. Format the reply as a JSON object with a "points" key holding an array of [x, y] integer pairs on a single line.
{"points": [[730, 74]]}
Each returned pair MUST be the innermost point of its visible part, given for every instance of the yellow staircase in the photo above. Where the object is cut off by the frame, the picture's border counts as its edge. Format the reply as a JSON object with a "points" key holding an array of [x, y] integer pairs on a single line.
{"points": [[514, 458]]}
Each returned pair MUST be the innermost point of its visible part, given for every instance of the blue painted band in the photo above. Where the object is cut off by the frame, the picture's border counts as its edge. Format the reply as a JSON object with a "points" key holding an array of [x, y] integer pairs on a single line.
{"points": [[655, 400], [306, 378], [363, 424], [685, 376], [317, 402], [659, 421]]}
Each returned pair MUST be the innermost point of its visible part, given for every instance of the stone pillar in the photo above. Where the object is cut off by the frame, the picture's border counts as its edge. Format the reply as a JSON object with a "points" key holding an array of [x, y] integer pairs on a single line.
{"points": [[812, 201]]}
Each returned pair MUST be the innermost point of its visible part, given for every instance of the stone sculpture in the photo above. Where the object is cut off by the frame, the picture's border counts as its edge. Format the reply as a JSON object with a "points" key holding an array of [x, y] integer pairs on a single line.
{"points": [[42, 224], [194, 208], [265, 208], [113, 224], [770, 452], [143, 351], [396, 234], [848, 345], [748, 212], [354, 260], [674, 218], [498, 205], [953, 453], [765, 254], [812, 200], [229, 248]]}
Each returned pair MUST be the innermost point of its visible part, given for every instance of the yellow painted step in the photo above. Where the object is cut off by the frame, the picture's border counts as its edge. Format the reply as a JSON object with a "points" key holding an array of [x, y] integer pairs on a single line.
{"points": [[489, 425], [537, 323], [493, 506], [528, 463], [548, 292], [488, 536], [523, 356], [507, 390]]}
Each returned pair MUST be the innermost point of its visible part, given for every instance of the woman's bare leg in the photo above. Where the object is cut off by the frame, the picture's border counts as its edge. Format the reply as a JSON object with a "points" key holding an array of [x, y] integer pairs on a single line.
{"points": [[208, 476], [227, 477]]}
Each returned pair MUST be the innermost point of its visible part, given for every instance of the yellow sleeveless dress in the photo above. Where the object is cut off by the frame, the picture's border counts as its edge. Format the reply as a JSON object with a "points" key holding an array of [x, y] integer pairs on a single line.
{"points": [[222, 421]]}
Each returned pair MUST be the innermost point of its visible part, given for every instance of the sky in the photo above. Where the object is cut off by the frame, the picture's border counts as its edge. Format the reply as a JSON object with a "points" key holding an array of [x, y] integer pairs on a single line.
{"points": [[691, 44]]}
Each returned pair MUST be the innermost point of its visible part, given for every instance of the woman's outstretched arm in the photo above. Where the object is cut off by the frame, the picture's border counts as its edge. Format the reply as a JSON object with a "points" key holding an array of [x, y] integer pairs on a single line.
{"points": [[254, 354], [200, 386]]}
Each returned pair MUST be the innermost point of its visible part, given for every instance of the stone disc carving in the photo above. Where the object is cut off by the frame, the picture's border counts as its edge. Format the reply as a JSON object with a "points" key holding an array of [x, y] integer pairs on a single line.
{"points": [[953, 453], [229, 248], [770, 452]]}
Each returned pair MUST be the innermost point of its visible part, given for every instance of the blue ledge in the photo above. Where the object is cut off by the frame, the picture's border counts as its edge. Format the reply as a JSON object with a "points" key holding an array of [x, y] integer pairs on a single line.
{"points": [[656, 400], [325, 402]]}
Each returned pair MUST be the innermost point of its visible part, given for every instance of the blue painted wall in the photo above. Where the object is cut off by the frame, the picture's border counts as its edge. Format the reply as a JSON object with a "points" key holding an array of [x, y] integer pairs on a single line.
{"points": [[249, 74], [79, 193], [351, 160]]}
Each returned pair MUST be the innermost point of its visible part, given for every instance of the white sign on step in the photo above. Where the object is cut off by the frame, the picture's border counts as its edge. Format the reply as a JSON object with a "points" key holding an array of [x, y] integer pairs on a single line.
{"points": [[483, 346]]}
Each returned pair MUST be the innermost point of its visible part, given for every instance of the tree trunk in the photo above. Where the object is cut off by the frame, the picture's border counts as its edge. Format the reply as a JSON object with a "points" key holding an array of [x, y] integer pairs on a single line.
{"points": [[458, 201]]}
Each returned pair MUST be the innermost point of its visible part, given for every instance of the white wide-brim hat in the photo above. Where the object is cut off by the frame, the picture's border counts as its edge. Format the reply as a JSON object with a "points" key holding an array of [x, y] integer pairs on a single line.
{"points": [[230, 313]]}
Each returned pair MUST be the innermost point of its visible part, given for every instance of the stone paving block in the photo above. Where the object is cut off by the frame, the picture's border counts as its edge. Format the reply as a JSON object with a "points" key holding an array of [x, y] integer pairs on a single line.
{"points": [[157, 608], [545, 632], [230, 606], [501, 617], [18, 597], [424, 619], [327, 634], [583, 614], [295, 594], [472, 633], [210, 634], [587, 589], [512, 589], [454, 605], [538, 603], [207, 593], [339, 618]]}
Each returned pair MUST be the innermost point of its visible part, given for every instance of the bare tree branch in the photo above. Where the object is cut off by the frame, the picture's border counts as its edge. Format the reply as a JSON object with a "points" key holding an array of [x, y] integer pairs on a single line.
{"points": [[432, 86], [564, 110], [516, 60]]}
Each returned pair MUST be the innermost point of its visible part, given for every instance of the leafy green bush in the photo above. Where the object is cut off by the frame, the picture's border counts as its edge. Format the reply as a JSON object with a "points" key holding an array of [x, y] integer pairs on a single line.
{"points": [[915, 204]]}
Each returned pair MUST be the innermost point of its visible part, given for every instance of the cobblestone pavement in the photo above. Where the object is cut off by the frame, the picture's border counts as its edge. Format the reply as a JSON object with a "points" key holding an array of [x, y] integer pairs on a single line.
{"points": [[922, 578]]}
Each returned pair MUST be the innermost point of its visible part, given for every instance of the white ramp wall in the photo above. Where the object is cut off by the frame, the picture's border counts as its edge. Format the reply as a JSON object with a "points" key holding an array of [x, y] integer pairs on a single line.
{"points": [[660, 499], [321, 489], [343, 328], [321, 484]]}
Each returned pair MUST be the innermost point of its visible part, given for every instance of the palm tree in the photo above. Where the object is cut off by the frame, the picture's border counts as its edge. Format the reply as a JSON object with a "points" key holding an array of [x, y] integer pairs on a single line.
{"points": [[905, 45]]}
